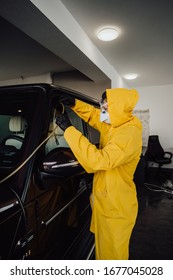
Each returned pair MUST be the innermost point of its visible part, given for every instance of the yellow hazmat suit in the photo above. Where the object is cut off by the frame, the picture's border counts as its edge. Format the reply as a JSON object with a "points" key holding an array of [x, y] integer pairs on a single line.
{"points": [[114, 201]]}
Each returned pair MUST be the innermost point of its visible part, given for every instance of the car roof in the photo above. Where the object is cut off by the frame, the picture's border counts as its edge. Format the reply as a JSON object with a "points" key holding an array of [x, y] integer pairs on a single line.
{"points": [[49, 88]]}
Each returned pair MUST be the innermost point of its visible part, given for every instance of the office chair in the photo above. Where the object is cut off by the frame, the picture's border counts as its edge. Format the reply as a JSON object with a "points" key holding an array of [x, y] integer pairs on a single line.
{"points": [[155, 152]]}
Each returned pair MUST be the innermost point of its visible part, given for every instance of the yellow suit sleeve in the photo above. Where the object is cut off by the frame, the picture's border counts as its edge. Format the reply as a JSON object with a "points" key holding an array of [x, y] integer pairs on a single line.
{"points": [[88, 113], [93, 159]]}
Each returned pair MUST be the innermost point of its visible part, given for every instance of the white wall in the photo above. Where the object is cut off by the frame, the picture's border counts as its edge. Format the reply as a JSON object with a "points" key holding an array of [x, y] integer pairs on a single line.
{"points": [[159, 100]]}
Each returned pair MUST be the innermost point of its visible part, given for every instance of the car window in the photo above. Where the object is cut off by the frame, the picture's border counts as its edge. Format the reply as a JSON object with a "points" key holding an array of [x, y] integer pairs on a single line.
{"points": [[94, 135], [13, 130], [57, 140], [16, 113]]}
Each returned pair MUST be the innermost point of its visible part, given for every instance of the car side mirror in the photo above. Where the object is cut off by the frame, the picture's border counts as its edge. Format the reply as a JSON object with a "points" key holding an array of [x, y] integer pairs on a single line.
{"points": [[61, 162]]}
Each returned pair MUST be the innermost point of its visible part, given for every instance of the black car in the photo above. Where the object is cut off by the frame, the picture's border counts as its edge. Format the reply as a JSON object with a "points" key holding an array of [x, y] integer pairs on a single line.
{"points": [[44, 192]]}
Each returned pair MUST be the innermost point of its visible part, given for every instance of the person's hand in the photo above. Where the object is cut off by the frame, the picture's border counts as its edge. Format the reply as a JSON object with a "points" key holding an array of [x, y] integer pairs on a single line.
{"points": [[67, 100], [59, 108], [63, 121]]}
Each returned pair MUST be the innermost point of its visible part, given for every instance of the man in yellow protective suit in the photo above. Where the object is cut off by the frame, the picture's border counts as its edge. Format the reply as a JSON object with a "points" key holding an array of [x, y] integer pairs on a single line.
{"points": [[113, 199]]}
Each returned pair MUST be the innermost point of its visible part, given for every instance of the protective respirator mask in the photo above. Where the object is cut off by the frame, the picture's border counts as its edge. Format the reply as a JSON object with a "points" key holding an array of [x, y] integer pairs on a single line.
{"points": [[104, 116]]}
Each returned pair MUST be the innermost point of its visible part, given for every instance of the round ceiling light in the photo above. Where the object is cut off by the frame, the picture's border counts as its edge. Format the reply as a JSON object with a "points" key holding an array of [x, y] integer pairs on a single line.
{"points": [[131, 76], [108, 34]]}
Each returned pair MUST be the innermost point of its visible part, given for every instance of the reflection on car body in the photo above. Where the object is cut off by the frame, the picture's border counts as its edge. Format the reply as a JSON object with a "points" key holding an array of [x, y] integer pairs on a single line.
{"points": [[44, 192]]}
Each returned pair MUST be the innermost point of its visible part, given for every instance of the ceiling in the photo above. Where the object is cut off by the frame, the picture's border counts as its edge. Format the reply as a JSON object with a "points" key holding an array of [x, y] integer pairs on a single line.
{"points": [[21, 56], [145, 44]]}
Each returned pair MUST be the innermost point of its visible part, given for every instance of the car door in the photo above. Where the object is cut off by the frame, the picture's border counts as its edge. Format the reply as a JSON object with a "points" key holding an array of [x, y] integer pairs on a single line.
{"points": [[62, 191], [19, 135]]}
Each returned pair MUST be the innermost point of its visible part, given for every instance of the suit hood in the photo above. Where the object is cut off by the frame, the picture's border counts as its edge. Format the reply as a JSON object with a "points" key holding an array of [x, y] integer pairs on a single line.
{"points": [[121, 103]]}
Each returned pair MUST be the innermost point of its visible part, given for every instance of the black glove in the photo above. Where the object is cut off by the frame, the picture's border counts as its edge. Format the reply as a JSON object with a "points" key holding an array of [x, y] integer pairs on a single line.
{"points": [[63, 121], [67, 100], [59, 108]]}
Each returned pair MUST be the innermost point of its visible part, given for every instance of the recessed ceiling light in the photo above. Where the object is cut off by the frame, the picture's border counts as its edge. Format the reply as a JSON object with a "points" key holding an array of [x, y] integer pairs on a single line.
{"points": [[131, 76], [108, 34]]}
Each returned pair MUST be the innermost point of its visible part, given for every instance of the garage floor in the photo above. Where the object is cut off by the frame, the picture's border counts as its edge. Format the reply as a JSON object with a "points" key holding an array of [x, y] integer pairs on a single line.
{"points": [[152, 237]]}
